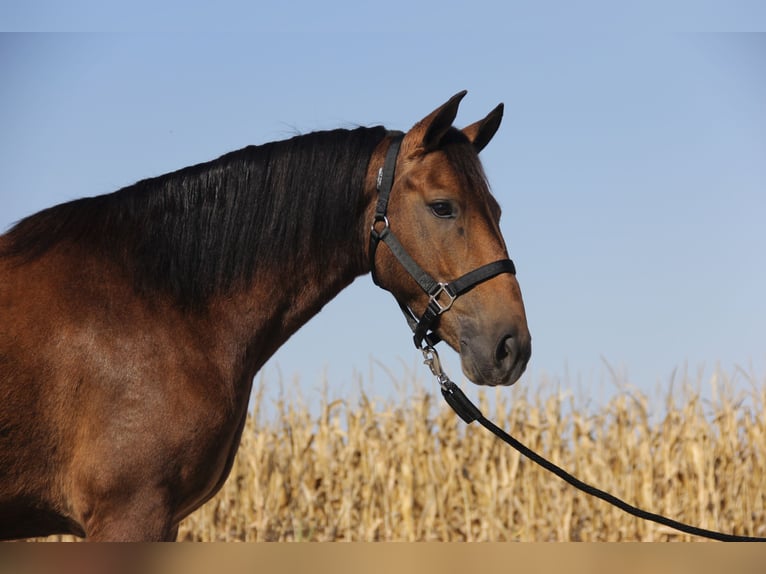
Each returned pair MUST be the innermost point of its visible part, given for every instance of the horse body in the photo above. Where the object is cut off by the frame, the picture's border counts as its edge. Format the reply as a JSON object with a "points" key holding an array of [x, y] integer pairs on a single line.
{"points": [[126, 399], [87, 417], [130, 329]]}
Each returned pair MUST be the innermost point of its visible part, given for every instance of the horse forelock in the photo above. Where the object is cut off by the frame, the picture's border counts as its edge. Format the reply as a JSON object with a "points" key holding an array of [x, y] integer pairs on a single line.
{"points": [[464, 160]]}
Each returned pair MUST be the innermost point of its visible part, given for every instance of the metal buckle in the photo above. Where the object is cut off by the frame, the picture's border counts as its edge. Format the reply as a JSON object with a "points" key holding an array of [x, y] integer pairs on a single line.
{"points": [[434, 300]]}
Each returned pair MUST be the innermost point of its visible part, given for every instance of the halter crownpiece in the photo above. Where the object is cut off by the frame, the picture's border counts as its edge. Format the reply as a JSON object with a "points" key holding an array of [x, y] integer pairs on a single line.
{"points": [[441, 295]]}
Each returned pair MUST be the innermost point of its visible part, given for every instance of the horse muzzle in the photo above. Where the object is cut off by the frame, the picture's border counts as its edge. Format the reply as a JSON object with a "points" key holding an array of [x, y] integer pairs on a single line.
{"points": [[496, 356]]}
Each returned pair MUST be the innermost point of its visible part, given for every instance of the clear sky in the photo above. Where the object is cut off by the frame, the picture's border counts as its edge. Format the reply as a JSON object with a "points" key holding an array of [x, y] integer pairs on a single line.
{"points": [[631, 164]]}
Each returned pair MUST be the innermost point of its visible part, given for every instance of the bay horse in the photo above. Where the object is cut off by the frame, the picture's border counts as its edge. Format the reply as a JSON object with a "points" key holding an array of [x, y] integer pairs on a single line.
{"points": [[132, 324]]}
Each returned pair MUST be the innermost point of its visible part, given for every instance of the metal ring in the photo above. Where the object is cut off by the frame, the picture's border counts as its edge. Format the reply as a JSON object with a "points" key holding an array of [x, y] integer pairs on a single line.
{"points": [[379, 219]]}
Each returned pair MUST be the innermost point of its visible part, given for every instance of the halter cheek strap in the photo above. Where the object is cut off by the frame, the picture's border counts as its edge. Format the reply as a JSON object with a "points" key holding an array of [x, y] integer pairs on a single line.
{"points": [[441, 295]]}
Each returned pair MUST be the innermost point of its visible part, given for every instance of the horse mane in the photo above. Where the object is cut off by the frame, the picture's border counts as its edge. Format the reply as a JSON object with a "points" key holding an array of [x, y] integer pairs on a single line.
{"points": [[200, 230]]}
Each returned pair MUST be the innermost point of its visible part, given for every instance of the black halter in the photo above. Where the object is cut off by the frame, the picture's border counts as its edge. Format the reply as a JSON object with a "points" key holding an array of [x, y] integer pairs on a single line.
{"points": [[441, 295]]}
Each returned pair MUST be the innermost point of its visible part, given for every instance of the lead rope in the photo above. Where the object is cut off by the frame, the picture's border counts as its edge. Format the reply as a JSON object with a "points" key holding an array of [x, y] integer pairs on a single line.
{"points": [[469, 412]]}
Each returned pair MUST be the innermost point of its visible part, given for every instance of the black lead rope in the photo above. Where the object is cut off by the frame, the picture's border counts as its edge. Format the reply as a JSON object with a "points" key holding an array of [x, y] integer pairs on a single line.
{"points": [[469, 412]]}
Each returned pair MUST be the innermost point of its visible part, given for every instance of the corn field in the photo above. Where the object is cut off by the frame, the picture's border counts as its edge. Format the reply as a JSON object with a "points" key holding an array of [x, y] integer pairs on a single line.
{"points": [[410, 470]]}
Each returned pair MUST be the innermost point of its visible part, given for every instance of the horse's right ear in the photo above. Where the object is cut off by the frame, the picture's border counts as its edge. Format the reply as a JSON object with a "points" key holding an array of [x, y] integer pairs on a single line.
{"points": [[482, 131], [432, 128]]}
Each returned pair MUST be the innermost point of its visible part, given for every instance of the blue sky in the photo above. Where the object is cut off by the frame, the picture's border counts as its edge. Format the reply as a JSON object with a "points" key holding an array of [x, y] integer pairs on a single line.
{"points": [[631, 164]]}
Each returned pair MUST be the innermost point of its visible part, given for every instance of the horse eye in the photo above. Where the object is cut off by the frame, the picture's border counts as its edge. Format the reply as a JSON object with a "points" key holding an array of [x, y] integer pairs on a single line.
{"points": [[442, 209]]}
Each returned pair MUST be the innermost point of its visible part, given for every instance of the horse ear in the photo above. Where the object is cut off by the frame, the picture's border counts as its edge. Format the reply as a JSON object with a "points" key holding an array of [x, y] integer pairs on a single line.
{"points": [[435, 125], [482, 131]]}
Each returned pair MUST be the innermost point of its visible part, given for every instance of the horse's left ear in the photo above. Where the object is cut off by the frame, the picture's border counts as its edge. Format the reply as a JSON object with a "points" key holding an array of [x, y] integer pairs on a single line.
{"points": [[482, 131], [431, 129]]}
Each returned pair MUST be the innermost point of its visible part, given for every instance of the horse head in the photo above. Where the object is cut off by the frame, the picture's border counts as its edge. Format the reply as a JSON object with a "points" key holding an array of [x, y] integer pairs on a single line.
{"points": [[446, 252]]}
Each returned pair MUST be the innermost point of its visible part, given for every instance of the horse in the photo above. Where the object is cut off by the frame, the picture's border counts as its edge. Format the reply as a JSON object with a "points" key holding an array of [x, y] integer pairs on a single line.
{"points": [[133, 323]]}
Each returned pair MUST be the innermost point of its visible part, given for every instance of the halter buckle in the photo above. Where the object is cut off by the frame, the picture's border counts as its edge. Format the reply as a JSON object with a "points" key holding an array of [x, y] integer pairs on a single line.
{"points": [[437, 298]]}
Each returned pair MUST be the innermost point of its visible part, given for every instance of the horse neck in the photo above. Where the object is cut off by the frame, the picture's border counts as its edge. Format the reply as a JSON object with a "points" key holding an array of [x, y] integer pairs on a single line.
{"points": [[279, 300], [259, 317]]}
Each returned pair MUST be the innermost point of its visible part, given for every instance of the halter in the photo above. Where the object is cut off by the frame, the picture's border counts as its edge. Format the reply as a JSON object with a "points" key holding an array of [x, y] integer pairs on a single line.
{"points": [[441, 295]]}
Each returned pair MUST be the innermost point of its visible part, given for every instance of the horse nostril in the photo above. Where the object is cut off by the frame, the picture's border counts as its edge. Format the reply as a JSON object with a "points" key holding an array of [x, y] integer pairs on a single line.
{"points": [[505, 348]]}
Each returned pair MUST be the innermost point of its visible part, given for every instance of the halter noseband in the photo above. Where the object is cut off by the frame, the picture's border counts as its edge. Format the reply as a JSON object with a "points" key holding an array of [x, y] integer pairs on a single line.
{"points": [[441, 295]]}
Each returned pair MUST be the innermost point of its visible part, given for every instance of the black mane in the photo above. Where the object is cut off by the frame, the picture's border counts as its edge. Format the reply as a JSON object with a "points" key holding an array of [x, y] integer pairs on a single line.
{"points": [[198, 231]]}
